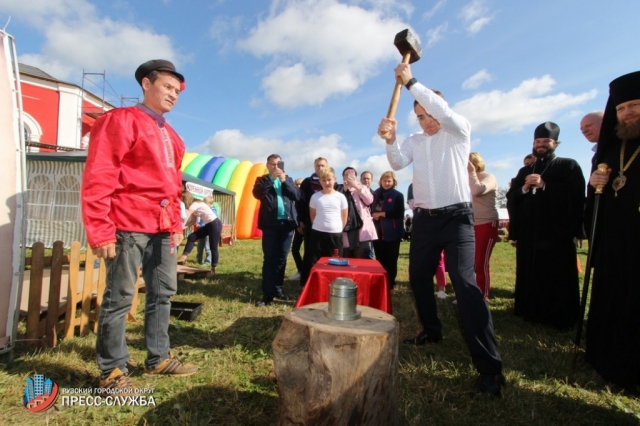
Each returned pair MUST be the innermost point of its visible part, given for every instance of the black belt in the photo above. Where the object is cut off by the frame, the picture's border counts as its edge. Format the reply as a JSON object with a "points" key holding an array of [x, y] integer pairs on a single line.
{"points": [[442, 210]]}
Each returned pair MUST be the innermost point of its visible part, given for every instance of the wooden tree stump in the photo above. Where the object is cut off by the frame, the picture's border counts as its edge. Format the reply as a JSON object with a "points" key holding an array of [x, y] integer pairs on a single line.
{"points": [[337, 372]]}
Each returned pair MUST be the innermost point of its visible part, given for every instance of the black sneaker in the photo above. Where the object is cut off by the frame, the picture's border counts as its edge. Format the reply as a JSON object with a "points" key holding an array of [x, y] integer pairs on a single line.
{"points": [[489, 384]]}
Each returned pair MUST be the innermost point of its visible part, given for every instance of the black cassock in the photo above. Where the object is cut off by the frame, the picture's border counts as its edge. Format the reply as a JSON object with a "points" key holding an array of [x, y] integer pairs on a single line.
{"points": [[613, 325], [544, 225]]}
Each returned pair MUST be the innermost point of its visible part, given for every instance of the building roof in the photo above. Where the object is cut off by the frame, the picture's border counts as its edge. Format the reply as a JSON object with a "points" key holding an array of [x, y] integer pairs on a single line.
{"points": [[35, 72]]}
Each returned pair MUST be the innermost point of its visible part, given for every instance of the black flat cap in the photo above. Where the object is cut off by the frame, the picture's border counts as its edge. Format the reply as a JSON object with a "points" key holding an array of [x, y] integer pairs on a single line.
{"points": [[625, 88], [547, 130], [157, 65]]}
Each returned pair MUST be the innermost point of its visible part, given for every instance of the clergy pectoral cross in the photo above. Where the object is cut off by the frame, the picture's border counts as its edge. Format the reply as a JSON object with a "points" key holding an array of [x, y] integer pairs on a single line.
{"points": [[619, 182]]}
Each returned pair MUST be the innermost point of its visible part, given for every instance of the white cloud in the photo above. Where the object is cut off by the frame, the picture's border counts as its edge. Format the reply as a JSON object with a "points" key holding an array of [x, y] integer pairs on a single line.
{"points": [[475, 16], [76, 38], [387, 6], [412, 122], [529, 103], [40, 12], [436, 7], [477, 79], [505, 164], [298, 155], [320, 48], [221, 29], [436, 34], [377, 141]]}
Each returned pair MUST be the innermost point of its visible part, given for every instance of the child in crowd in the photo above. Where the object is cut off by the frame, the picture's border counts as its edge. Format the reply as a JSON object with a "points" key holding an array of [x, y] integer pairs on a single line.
{"points": [[328, 211], [212, 227], [203, 251]]}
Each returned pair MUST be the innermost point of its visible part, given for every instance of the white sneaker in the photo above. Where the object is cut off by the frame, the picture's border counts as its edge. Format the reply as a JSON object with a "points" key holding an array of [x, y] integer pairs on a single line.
{"points": [[442, 295], [295, 276]]}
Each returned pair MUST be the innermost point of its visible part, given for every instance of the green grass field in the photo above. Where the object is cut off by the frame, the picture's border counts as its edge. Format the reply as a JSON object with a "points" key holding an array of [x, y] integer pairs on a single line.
{"points": [[231, 343]]}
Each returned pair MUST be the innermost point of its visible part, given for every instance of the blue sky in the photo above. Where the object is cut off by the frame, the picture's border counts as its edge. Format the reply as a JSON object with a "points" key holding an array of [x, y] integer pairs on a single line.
{"points": [[310, 78]]}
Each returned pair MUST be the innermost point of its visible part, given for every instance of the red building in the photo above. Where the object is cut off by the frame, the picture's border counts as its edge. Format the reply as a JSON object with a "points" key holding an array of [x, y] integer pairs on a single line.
{"points": [[56, 112]]}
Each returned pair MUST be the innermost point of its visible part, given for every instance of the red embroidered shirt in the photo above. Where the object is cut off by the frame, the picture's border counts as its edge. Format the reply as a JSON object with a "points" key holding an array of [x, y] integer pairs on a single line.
{"points": [[132, 179]]}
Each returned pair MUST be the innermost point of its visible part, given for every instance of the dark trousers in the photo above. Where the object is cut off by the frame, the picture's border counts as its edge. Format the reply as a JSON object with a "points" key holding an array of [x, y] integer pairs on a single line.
{"points": [[276, 242], [452, 232], [387, 253], [318, 244], [295, 249], [212, 230], [306, 237]]}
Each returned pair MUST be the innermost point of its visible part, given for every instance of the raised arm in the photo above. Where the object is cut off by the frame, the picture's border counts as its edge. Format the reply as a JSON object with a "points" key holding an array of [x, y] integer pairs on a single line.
{"points": [[450, 121]]}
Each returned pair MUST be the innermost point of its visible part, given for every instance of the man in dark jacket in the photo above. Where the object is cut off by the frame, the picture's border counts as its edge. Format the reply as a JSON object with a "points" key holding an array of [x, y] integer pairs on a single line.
{"points": [[277, 219]]}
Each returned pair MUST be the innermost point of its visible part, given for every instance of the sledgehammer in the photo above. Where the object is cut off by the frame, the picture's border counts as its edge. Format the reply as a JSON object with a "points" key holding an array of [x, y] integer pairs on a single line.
{"points": [[410, 50]]}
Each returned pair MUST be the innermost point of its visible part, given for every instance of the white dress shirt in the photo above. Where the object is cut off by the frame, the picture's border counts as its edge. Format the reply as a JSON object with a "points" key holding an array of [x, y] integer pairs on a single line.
{"points": [[440, 176]]}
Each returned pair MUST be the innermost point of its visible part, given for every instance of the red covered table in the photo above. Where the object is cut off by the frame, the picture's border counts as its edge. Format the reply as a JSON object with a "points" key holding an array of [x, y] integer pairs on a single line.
{"points": [[369, 276]]}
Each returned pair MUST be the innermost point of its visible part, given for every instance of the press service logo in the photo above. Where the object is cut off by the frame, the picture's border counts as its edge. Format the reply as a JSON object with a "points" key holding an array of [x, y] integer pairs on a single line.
{"points": [[40, 393]]}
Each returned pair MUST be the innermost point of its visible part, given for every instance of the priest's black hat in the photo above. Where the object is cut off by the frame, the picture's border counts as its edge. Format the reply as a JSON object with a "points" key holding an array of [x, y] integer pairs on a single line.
{"points": [[157, 65], [625, 88], [547, 130]]}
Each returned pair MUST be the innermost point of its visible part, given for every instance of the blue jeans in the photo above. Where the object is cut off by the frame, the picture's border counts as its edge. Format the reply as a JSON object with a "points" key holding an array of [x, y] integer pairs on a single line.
{"points": [[203, 246], [153, 252], [276, 243]]}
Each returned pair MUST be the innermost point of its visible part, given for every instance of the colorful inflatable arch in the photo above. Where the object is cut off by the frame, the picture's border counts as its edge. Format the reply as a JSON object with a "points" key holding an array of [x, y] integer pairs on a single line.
{"points": [[234, 175]]}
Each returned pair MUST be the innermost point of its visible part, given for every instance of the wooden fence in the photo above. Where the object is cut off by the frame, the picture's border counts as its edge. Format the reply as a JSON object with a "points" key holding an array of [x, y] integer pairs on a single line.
{"points": [[78, 312]]}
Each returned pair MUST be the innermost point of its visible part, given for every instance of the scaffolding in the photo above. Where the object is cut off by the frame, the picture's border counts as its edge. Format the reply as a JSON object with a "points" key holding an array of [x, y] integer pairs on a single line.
{"points": [[89, 113], [92, 112]]}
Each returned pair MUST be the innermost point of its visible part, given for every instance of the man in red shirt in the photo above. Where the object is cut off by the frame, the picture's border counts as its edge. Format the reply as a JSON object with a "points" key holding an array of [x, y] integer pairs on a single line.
{"points": [[131, 190]]}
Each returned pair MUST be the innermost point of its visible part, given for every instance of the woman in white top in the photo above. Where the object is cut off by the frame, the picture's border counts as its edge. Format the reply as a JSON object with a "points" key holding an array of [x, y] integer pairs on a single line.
{"points": [[212, 227], [328, 211]]}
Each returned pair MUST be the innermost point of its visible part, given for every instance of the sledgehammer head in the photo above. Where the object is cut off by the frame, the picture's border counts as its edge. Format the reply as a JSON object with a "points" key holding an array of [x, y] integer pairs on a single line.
{"points": [[407, 43]]}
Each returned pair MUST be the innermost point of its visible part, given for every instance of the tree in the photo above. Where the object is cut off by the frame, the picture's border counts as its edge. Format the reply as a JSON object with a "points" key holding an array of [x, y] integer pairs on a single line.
{"points": [[501, 198]]}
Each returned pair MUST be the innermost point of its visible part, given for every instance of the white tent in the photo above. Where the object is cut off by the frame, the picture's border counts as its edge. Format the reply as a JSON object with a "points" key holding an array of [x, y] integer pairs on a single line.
{"points": [[12, 176]]}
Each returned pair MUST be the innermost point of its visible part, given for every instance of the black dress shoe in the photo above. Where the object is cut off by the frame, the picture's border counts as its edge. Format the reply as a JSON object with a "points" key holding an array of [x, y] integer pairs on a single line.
{"points": [[423, 338], [282, 296], [489, 384], [263, 302]]}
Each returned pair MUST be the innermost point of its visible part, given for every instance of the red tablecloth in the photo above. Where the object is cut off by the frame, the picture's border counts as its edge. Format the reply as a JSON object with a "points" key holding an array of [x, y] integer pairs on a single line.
{"points": [[369, 276]]}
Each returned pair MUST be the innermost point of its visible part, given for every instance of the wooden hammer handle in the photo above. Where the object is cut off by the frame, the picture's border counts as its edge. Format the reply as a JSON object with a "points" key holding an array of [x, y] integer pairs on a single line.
{"points": [[395, 98], [396, 91]]}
